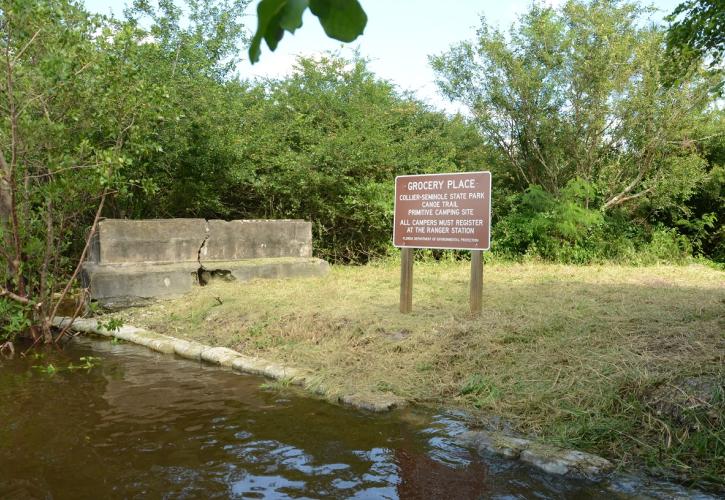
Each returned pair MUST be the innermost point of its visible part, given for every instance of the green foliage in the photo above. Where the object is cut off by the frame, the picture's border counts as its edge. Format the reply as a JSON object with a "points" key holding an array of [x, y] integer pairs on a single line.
{"points": [[700, 217], [14, 319], [48, 369], [86, 363], [580, 94], [544, 225], [563, 229], [49, 167], [666, 245], [697, 31], [325, 145], [342, 20], [111, 324], [182, 149], [90, 105], [577, 92]]}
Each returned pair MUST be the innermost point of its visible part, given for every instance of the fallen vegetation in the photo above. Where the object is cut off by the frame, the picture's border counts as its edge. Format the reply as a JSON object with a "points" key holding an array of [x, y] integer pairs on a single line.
{"points": [[626, 362]]}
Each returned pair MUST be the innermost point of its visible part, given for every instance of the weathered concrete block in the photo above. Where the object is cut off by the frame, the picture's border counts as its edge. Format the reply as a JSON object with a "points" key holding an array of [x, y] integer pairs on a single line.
{"points": [[257, 239], [189, 350], [550, 459], [157, 240], [245, 364], [496, 443], [131, 261], [220, 356], [114, 282], [380, 402], [566, 462], [277, 268]]}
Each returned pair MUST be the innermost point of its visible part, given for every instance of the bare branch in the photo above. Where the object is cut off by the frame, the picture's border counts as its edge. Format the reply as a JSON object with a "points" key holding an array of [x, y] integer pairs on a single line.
{"points": [[64, 169], [82, 257], [622, 196], [49, 237], [20, 53], [76, 313], [13, 296], [9, 184], [7, 346], [699, 139]]}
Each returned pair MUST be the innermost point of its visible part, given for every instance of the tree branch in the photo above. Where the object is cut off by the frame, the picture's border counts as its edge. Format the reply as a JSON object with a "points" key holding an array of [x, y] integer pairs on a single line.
{"points": [[13, 296], [20, 52], [82, 257]]}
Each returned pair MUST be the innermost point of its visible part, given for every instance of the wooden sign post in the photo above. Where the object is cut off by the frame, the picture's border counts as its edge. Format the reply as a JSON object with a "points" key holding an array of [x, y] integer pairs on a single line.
{"points": [[406, 279], [442, 211], [476, 295]]}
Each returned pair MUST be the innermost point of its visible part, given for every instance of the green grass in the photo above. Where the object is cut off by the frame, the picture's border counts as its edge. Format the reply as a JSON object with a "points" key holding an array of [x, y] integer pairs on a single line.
{"points": [[569, 354]]}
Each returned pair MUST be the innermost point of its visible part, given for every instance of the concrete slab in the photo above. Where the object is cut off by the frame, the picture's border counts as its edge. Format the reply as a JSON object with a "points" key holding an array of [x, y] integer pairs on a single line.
{"points": [[118, 286], [256, 239], [120, 241], [124, 282], [133, 261]]}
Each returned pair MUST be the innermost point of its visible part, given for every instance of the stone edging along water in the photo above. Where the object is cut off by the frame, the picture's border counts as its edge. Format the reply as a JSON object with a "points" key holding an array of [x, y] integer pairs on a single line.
{"points": [[550, 459], [229, 358]]}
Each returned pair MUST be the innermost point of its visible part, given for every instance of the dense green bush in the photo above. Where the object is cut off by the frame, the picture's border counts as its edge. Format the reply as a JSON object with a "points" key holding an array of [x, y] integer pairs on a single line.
{"points": [[582, 93], [564, 229], [324, 144]]}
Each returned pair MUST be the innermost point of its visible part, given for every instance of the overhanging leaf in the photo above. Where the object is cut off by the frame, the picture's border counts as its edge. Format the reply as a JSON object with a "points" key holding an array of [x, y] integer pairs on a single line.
{"points": [[342, 20], [267, 10], [274, 17], [291, 15]]}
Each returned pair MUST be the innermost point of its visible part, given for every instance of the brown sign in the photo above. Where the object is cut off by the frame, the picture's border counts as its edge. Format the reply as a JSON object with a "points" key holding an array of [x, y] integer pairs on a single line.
{"points": [[443, 211]]}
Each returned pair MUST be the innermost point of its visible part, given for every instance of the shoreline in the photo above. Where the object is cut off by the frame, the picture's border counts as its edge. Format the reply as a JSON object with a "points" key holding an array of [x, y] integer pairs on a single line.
{"points": [[549, 459], [552, 460], [229, 358], [622, 362]]}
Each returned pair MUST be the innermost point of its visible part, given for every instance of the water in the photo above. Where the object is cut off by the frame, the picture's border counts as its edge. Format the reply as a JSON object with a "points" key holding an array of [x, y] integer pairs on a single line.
{"points": [[141, 424]]}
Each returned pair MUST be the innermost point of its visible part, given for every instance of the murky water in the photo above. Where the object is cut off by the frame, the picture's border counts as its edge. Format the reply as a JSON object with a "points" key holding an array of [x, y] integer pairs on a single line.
{"points": [[145, 425]]}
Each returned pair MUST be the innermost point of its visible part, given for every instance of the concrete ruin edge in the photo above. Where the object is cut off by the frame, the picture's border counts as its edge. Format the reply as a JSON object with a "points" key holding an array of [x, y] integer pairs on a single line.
{"points": [[131, 262]]}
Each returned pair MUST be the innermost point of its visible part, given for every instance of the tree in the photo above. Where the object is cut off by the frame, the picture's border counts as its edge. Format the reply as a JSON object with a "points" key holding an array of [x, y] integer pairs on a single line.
{"points": [[324, 143], [85, 103], [53, 176], [697, 32], [188, 68], [577, 93]]}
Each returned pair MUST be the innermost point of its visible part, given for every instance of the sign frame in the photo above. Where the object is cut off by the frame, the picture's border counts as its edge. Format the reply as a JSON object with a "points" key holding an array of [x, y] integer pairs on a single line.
{"points": [[407, 251], [488, 219]]}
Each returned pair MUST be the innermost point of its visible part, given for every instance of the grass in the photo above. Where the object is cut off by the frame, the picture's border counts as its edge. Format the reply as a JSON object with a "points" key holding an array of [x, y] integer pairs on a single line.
{"points": [[573, 355]]}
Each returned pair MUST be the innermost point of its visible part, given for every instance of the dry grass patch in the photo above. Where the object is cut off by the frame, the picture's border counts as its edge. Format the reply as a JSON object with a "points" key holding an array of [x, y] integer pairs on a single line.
{"points": [[569, 353]]}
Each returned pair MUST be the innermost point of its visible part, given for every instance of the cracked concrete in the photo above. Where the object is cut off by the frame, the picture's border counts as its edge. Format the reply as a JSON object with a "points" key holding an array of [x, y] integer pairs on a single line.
{"points": [[146, 259], [202, 275]]}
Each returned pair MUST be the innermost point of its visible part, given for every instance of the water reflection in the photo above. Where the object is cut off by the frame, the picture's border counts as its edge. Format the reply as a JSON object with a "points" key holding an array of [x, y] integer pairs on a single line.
{"points": [[145, 425]]}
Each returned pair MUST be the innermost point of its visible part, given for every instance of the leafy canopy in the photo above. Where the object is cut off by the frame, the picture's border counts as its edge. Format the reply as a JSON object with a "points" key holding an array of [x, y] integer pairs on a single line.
{"points": [[578, 92], [697, 31]]}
